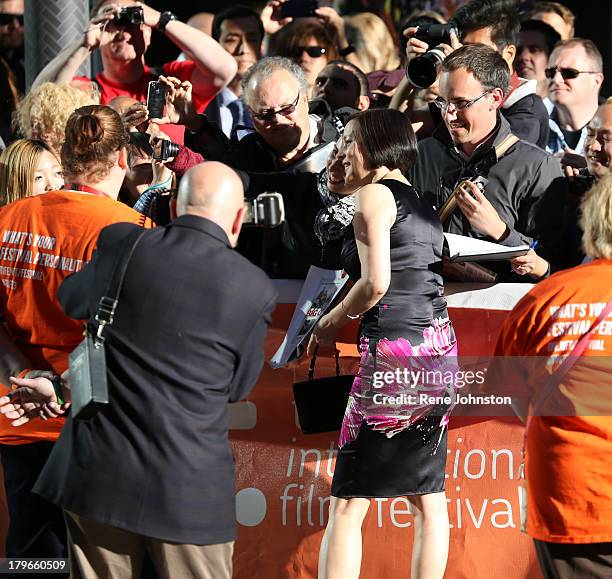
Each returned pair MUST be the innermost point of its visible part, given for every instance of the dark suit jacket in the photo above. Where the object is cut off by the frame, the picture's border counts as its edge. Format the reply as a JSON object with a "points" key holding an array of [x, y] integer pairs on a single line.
{"points": [[187, 338]]}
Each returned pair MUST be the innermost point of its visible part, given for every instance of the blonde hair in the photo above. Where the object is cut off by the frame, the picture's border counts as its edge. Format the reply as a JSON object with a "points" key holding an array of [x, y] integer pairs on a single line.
{"points": [[43, 113], [596, 219], [18, 164], [375, 46]]}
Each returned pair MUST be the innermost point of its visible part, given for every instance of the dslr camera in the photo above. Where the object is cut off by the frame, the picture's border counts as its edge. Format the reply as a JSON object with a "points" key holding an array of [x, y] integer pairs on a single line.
{"points": [[129, 16], [423, 70], [266, 210], [165, 149]]}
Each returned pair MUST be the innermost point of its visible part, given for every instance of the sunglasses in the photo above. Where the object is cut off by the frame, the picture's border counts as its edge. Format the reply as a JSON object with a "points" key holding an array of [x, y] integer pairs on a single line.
{"points": [[267, 116], [6, 19], [312, 51], [566, 73]]}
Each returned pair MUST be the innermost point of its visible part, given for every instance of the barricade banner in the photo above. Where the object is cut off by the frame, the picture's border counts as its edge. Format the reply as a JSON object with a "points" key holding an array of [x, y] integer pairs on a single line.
{"points": [[284, 477]]}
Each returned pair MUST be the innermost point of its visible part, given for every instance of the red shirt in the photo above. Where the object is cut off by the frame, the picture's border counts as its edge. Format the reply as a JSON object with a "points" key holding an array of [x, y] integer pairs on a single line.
{"points": [[182, 70]]}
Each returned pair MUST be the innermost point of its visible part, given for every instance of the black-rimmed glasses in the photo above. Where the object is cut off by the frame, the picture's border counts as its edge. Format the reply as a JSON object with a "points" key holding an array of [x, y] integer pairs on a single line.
{"points": [[458, 105], [566, 73], [267, 116]]}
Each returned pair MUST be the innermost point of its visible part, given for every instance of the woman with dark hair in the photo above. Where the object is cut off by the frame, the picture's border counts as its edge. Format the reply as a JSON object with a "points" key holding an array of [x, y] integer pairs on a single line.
{"points": [[308, 44], [389, 444]]}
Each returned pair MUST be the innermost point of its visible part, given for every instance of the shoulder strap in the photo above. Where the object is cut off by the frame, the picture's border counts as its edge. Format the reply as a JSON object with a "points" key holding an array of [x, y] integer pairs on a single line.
{"points": [[108, 302], [569, 361], [500, 150]]}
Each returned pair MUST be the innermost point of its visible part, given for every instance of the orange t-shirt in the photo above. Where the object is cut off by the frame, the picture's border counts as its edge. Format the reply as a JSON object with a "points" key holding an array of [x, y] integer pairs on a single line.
{"points": [[569, 454], [43, 240]]}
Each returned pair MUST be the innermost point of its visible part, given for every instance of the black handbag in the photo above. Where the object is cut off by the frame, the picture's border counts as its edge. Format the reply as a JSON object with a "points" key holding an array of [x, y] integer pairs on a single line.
{"points": [[321, 402], [87, 362]]}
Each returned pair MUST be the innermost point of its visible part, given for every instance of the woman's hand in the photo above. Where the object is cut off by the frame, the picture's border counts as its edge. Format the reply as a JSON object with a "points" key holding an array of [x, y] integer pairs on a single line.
{"points": [[530, 264], [324, 333]]}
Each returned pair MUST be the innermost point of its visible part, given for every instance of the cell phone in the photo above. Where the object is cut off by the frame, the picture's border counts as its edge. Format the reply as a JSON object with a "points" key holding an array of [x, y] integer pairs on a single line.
{"points": [[156, 99], [298, 9]]}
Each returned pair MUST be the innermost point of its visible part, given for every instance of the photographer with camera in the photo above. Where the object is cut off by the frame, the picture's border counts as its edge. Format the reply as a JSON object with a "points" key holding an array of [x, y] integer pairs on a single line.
{"points": [[494, 23], [121, 30], [522, 198]]}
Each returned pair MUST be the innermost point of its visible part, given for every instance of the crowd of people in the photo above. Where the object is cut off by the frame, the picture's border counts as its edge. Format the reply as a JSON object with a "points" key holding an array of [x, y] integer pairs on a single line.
{"points": [[380, 137]]}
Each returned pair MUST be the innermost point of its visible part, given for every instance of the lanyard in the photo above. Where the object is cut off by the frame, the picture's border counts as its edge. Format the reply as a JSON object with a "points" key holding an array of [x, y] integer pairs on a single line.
{"points": [[86, 189]]}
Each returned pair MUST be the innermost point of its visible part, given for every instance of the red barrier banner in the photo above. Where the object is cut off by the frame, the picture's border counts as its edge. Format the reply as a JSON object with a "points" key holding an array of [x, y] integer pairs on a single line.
{"points": [[284, 478]]}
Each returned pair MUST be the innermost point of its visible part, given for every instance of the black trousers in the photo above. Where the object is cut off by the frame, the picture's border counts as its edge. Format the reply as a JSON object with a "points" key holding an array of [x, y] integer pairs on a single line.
{"points": [[574, 561], [36, 527]]}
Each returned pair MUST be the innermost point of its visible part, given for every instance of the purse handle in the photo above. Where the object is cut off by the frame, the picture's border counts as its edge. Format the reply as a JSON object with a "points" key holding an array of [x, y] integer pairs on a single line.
{"points": [[108, 303], [314, 360]]}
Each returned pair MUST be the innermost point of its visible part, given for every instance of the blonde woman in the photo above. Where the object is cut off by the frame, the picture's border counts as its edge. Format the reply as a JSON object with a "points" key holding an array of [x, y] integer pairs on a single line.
{"points": [[43, 113], [28, 167], [375, 46]]}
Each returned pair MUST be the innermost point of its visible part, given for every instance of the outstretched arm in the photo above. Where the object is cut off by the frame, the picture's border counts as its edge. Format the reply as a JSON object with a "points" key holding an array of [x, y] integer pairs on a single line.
{"points": [[214, 65]]}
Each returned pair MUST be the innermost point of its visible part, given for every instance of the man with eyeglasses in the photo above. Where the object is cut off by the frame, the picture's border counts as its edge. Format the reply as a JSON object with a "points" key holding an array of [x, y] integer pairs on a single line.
{"points": [[575, 75], [521, 201], [11, 38], [496, 23]]}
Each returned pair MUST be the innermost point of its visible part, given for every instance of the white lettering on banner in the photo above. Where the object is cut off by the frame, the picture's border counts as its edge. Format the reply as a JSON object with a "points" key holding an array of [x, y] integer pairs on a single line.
{"points": [[306, 495]]}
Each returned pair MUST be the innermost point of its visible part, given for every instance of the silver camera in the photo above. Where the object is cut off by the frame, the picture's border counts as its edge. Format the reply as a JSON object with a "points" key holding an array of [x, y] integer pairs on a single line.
{"points": [[266, 210]]}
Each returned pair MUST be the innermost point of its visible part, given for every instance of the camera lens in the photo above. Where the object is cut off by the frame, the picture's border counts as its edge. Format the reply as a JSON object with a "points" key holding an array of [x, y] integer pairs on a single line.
{"points": [[423, 71], [172, 149]]}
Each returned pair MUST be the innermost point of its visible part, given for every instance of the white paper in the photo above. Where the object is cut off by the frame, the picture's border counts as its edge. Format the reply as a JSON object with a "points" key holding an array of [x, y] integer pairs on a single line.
{"points": [[463, 248], [320, 288]]}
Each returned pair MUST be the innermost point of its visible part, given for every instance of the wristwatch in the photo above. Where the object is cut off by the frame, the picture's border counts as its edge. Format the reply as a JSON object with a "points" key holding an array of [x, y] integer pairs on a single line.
{"points": [[164, 18]]}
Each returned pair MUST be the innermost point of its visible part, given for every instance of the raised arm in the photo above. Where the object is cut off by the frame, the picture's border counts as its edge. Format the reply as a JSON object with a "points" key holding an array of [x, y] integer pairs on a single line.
{"points": [[214, 65], [65, 65]]}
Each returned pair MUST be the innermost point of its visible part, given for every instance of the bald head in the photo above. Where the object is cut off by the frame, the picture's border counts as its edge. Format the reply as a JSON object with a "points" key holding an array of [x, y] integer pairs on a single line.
{"points": [[214, 191], [122, 103]]}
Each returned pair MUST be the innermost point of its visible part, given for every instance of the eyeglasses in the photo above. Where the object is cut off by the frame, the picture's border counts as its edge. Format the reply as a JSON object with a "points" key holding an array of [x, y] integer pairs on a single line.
{"points": [[456, 106], [312, 51], [267, 116], [6, 19], [566, 73]]}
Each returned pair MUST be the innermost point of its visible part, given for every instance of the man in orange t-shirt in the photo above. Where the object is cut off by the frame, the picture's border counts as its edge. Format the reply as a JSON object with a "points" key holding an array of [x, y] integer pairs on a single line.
{"points": [[43, 240], [569, 442]]}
